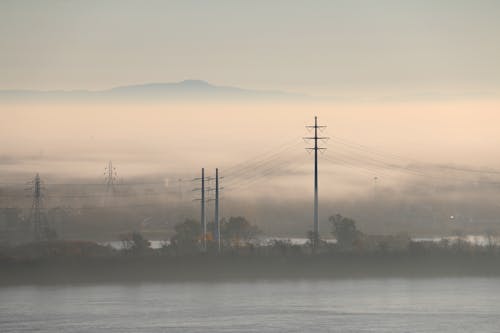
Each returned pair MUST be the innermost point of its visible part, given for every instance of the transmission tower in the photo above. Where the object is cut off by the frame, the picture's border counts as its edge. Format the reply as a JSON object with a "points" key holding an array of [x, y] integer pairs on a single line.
{"points": [[316, 149], [110, 177], [39, 221]]}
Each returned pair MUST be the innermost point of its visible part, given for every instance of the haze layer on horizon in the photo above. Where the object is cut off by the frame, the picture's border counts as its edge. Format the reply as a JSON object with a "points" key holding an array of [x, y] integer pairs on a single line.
{"points": [[409, 91], [418, 79]]}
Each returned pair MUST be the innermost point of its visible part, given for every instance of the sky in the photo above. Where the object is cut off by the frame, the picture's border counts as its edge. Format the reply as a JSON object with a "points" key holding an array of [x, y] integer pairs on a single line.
{"points": [[351, 49], [414, 78], [413, 93]]}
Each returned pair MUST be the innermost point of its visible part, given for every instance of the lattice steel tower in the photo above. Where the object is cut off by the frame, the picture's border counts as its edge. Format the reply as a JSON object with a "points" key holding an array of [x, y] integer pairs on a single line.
{"points": [[40, 225], [110, 177]]}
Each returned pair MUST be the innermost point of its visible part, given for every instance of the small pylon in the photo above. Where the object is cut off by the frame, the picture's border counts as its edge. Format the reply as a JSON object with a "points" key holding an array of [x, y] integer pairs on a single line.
{"points": [[110, 178], [37, 217]]}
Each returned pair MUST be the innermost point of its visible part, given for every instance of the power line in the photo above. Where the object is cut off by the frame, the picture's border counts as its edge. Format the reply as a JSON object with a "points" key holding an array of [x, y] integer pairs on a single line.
{"points": [[262, 156], [259, 162], [374, 151], [263, 170], [88, 184], [365, 162], [263, 174]]}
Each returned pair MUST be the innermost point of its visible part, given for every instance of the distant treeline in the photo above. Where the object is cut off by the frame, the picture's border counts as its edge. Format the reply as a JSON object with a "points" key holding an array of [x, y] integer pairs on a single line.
{"points": [[55, 262], [191, 254]]}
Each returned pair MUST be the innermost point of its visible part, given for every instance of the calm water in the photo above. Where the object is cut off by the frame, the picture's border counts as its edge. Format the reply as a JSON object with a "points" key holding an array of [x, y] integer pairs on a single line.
{"points": [[392, 305]]}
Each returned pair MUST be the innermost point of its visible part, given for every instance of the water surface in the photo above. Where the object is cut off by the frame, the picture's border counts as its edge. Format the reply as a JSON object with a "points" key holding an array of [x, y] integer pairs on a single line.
{"points": [[365, 305]]}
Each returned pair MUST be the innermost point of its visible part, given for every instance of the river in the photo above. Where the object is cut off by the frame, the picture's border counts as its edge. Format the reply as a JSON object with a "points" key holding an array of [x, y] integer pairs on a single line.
{"points": [[364, 305]]}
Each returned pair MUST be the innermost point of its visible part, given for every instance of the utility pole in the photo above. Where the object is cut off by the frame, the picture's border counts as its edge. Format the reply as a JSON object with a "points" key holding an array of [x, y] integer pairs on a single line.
{"points": [[209, 188], [202, 200], [316, 148], [202, 218], [216, 220]]}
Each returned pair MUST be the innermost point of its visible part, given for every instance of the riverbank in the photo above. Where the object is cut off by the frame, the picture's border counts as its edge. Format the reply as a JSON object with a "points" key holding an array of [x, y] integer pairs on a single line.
{"points": [[243, 267]]}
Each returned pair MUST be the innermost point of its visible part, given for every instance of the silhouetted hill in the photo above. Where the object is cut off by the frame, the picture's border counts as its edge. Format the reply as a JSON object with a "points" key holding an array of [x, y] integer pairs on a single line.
{"points": [[186, 90]]}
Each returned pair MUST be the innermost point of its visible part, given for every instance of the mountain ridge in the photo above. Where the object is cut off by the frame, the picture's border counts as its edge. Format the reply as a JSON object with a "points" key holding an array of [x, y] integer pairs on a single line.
{"points": [[158, 90]]}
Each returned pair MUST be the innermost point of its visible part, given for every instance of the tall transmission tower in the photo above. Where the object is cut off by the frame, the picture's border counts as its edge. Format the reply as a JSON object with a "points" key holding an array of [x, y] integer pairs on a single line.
{"points": [[40, 225], [316, 149], [110, 177]]}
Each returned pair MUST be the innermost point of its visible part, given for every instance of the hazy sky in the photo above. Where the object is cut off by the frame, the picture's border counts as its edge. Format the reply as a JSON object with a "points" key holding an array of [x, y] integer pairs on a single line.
{"points": [[415, 84], [419, 78], [346, 48]]}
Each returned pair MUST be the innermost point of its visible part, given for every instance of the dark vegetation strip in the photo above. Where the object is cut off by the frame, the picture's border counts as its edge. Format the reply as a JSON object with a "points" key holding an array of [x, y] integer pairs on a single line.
{"points": [[244, 267]]}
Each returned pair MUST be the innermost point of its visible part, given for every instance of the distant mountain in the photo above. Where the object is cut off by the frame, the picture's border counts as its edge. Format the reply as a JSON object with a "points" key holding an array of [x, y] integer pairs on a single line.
{"points": [[185, 90]]}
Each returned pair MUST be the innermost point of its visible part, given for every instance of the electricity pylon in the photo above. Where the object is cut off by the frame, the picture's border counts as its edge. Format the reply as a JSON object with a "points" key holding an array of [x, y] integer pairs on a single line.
{"points": [[39, 221], [110, 177]]}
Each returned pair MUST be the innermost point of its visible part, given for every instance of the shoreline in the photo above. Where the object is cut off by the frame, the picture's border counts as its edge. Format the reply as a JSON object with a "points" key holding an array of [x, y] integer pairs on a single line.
{"points": [[199, 268]]}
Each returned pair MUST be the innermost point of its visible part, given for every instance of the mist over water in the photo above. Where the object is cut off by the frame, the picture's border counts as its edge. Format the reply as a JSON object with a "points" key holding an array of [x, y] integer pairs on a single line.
{"points": [[375, 305]]}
